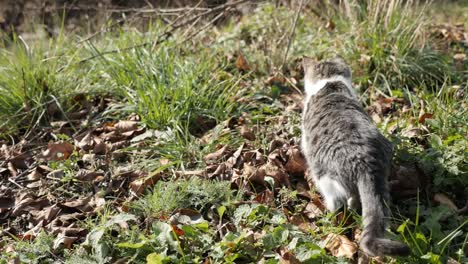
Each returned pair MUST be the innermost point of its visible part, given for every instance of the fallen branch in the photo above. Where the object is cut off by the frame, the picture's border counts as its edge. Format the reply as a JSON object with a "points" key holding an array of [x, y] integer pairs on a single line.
{"points": [[167, 33], [293, 30]]}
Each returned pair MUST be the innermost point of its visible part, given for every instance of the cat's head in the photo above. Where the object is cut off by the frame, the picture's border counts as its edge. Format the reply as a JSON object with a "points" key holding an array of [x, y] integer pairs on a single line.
{"points": [[326, 69], [316, 72]]}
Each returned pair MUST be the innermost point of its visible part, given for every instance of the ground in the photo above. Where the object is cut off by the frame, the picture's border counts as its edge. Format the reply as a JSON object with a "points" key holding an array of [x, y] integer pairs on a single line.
{"points": [[174, 137]]}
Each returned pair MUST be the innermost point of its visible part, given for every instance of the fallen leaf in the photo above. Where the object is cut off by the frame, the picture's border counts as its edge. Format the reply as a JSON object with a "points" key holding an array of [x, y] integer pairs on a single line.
{"points": [[57, 151], [34, 175], [425, 116], [125, 126], [266, 197], [277, 173], [340, 246], [87, 175], [296, 164], [139, 185], [65, 240], [287, 257], [312, 211], [186, 216], [444, 199], [302, 223], [234, 161], [459, 56], [412, 132], [254, 174], [247, 133], [241, 62], [86, 142], [216, 155], [179, 232], [330, 25]]}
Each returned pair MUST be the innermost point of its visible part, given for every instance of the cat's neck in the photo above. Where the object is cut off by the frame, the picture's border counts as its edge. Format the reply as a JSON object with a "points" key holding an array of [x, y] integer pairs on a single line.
{"points": [[312, 88]]}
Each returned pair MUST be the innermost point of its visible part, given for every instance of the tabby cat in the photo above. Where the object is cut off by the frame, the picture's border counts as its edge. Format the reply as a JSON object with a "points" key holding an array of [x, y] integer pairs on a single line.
{"points": [[348, 158]]}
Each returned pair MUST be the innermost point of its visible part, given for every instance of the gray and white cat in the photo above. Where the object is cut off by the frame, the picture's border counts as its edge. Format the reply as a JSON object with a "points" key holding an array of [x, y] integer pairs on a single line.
{"points": [[349, 159]]}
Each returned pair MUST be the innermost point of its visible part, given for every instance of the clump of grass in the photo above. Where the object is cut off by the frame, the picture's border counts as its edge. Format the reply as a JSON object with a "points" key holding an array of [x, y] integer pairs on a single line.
{"points": [[38, 250], [388, 38], [194, 193], [167, 89], [33, 88]]}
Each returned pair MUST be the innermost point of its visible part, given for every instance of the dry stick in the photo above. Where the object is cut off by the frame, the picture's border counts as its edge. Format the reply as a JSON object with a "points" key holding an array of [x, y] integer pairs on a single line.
{"points": [[15, 183], [171, 24], [293, 30], [122, 10], [166, 34], [210, 23]]}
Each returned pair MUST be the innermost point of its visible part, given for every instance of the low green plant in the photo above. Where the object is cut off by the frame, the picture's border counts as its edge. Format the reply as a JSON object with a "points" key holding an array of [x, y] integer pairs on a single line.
{"points": [[192, 193]]}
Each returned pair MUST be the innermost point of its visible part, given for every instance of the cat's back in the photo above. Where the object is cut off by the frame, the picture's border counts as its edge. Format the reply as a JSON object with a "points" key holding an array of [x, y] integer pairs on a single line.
{"points": [[335, 123]]}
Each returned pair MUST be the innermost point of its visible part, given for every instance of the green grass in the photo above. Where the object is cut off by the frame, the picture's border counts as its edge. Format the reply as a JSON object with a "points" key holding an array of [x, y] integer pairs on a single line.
{"points": [[184, 90]]}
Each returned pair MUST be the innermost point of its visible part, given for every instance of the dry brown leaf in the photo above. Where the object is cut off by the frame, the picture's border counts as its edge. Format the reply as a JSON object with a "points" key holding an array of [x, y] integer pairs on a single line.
{"points": [[444, 199], [219, 171], [48, 214], [241, 62], [340, 246], [296, 162], [65, 240], [276, 79], [86, 142], [28, 203], [101, 148], [34, 175], [302, 223], [83, 205], [68, 231], [412, 132], [330, 25], [125, 126], [247, 133], [139, 185], [234, 161], [312, 211], [186, 216], [459, 56], [58, 151], [266, 197], [87, 175], [277, 173], [118, 145], [216, 155], [254, 175], [287, 257], [425, 116]]}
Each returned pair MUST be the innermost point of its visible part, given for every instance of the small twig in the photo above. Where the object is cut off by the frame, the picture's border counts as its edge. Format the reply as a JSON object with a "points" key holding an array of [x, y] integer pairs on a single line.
{"points": [[116, 23], [293, 30], [291, 83], [15, 183], [207, 25], [165, 35]]}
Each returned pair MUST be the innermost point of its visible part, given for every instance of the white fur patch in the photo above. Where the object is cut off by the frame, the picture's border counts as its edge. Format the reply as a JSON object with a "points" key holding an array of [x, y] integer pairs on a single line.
{"points": [[333, 192], [313, 88]]}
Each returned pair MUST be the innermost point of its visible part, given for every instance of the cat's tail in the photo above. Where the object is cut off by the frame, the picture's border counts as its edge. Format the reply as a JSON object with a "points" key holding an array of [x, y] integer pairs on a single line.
{"points": [[372, 238]]}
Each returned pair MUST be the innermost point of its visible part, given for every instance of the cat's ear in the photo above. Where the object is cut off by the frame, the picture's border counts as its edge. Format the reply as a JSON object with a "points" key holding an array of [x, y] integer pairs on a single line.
{"points": [[308, 62]]}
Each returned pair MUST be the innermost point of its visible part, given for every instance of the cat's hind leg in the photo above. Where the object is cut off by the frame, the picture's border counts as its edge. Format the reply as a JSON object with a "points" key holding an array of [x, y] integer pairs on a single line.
{"points": [[333, 192]]}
